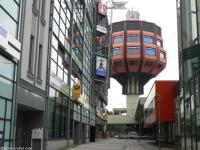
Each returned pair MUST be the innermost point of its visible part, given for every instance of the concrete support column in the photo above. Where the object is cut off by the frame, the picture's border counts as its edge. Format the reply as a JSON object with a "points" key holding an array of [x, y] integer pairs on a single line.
{"points": [[131, 104], [132, 85]]}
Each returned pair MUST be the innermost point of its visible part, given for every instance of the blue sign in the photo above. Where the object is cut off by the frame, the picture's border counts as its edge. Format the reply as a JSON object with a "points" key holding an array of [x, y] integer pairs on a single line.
{"points": [[101, 66], [3, 31]]}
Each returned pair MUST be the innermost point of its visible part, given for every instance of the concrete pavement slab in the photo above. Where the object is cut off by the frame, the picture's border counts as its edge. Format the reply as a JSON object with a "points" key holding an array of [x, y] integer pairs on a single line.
{"points": [[119, 144]]}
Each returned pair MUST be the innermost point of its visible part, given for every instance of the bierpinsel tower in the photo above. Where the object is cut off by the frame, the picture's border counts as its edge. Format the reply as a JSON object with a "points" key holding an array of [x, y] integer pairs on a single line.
{"points": [[138, 56]]}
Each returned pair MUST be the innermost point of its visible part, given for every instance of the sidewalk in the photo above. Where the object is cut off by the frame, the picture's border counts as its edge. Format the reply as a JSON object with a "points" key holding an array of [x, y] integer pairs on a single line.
{"points": [[121, 144]]}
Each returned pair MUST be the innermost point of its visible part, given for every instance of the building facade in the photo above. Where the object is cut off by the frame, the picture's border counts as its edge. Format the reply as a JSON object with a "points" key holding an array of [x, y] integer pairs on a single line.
{"points": [[73, 116], [159, 111], [189, 64], [32, 75], [71, 50], [102, 59], [10, 54], [47, 49]]}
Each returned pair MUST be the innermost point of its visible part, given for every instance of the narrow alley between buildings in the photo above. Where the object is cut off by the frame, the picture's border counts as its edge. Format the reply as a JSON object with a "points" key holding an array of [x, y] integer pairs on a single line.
{"points": [[121, 144]]}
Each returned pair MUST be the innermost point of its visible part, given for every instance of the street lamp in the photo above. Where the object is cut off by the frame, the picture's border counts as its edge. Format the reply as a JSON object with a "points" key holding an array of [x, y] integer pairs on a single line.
{"points": [[159, 97]]}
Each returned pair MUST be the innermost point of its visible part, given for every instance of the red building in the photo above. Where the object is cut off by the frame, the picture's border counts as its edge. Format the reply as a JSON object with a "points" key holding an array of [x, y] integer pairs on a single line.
{"points": [[160, 107], [138, 54]]}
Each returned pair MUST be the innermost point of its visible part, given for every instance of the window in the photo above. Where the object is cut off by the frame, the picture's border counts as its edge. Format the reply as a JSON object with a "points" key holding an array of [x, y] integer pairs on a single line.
{"points": [[2, 108], [133, 38], [162, 55], [116, 51], [150, 51], [118, 39], [53, 67], [40, 61], [35, 3], [7, 130], [6, 68], [148, 39], [8, 110], [8, 23], [158, 43], [57, 106], [11, 8], [133, 50], [43, 8], [31, 54], [6, 88]]}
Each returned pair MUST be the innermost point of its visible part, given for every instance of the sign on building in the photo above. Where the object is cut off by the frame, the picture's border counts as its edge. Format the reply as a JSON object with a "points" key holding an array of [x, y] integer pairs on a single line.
{"points": [[101, 66]]}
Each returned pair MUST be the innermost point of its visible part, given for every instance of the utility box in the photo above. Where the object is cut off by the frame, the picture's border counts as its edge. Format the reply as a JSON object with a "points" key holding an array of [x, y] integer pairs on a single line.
{"points": [[37, 139], [1, 138]]}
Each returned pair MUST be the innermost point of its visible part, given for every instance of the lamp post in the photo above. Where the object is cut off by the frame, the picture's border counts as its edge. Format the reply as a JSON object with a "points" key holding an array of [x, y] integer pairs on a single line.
{"points": [[159, 97]]}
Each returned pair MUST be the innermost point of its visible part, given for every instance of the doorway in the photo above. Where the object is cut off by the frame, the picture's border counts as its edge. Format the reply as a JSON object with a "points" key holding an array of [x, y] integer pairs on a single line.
{"points": [[27, 120]]}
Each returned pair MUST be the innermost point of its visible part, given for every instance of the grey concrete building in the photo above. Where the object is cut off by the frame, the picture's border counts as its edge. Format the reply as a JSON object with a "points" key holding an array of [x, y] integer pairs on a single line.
{"points": [[32, 79]]}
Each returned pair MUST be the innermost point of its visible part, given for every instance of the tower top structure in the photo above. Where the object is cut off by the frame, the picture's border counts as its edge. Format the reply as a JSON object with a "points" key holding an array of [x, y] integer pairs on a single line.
{"points": [[132, 15]]}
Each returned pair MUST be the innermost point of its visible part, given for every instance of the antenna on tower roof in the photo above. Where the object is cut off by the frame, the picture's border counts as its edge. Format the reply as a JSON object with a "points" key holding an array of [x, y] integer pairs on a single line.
{"points": [[132, 15]]}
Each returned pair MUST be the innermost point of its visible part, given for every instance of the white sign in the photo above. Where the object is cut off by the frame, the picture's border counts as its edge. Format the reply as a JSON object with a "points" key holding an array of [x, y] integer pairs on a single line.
{"points": [[101, 29], [37, 133]]}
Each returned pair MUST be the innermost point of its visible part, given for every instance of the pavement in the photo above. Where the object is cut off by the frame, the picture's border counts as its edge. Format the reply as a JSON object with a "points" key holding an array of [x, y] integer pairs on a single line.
{"points": [[120, 144]]}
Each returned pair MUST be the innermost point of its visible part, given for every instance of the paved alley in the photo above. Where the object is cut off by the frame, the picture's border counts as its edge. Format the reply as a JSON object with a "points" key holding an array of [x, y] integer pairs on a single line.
{"points": [[119, 144]]}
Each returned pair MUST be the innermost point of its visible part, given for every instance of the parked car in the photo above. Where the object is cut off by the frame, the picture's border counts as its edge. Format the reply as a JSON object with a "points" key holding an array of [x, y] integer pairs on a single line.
{"points": [[132, 135], [116, 136], [123, 136]]}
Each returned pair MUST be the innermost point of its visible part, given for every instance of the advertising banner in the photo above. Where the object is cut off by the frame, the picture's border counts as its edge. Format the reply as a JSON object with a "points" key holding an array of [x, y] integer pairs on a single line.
{"points": [[101, 66]]}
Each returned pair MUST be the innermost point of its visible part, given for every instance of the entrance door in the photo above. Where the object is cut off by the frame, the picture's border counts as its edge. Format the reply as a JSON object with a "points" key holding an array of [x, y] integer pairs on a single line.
{"points": [[83, 133], [92, 133], [27, 120], [76, 132]]}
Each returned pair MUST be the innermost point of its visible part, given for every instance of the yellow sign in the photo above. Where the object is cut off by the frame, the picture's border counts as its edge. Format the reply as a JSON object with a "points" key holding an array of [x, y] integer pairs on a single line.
{"points": [[76, 90]]}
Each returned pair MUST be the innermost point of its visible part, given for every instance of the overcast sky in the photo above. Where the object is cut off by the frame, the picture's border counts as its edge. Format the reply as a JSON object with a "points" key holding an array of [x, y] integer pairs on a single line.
{"points": [[162, 13]]}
